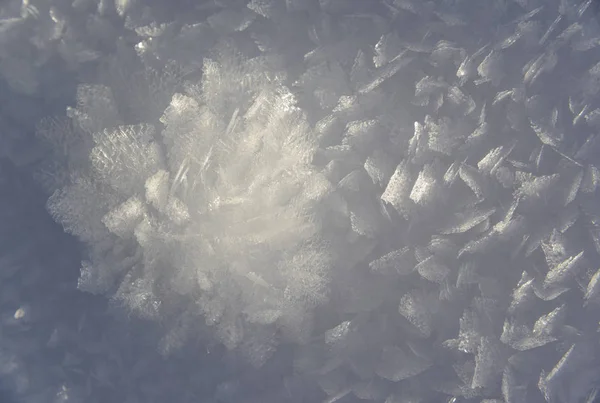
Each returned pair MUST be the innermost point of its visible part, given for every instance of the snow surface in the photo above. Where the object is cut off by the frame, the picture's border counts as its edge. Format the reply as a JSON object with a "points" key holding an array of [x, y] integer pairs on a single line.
{"points": [[228, 201]]}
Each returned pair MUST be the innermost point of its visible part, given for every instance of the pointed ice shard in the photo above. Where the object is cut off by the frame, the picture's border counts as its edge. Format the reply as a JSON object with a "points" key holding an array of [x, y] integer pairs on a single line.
{"points": [[591, 179], [492, 161], [386, 72], [551, 384], [491, 68], [464, 221], [420, 308], [550, 323], [513, 391], [564, 271], [523, 295], [386, 49], [433, 270], [592, 293], [400, 261], [474, 180], [398, 190], [380, 167], [425, 187], [489, 362]]}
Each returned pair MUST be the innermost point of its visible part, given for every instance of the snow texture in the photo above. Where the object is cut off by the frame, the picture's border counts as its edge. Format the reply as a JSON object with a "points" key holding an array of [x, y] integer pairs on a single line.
{"points": [[300, 201]]}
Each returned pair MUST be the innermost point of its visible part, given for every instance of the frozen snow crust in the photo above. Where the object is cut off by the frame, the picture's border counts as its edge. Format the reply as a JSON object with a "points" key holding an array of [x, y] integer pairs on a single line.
{"points": [[389, 201]]}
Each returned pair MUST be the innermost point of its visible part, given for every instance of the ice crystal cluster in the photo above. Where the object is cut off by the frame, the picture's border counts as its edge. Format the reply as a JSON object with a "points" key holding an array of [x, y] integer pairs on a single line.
{"points": [[215, 210], [393, 201]]}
